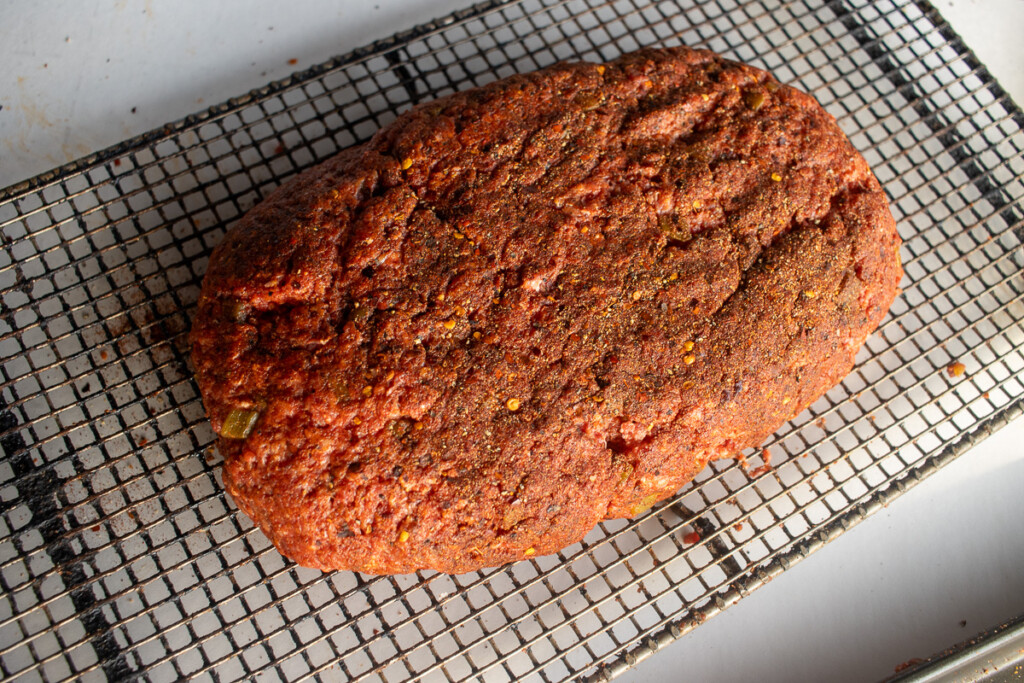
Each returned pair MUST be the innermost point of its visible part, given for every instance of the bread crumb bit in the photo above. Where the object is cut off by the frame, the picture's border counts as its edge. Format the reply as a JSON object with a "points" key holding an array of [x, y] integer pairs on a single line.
{"points": [[956, 369], [689, 359], [406, 163], [512, 404], [776, 177]]}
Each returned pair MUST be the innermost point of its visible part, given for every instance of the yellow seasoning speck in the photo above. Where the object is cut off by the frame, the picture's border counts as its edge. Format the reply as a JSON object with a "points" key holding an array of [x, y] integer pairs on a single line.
{"points": [[530, 551], [476, 335], [449, 324], [705, 96], [810, 293], [403, 537], [356, 421], [776, 177], [697, 203], [390, 376], [673, 277], [637, 295], [512, 404], [600, 69], [406, 163], [367, 391], [689, 359], [687, 346]]}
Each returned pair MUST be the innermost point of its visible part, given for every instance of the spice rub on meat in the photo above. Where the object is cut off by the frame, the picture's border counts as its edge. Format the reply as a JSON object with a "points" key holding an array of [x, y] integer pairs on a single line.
{"points": [[526, 308]]}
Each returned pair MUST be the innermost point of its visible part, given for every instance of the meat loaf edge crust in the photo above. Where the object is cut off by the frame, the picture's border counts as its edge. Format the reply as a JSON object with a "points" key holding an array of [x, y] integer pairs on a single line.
{"points": [[525, 308]]}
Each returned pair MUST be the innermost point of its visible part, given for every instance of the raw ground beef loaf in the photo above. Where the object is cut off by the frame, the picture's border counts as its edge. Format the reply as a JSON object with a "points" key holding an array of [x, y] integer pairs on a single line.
{"points": [[525, 308]]}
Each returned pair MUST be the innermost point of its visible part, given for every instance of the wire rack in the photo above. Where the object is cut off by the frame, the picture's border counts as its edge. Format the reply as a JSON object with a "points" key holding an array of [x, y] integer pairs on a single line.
{"points": [[120, 556]]}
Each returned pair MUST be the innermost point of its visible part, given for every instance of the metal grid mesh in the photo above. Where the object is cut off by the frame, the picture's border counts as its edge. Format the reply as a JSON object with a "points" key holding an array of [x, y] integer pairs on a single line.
{"points": [[120, 557]]}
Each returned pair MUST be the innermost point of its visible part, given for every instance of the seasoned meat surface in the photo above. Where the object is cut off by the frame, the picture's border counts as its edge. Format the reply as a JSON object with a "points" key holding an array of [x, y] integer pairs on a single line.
{"points": [[525, 308]]}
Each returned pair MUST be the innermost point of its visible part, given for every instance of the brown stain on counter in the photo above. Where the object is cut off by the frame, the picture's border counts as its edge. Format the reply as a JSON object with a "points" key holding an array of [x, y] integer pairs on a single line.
{"points": [[34, 118], [34, 114]]}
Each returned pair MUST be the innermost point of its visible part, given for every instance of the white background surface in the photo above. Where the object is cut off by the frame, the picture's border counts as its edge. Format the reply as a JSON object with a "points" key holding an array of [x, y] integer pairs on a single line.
{"points": [[80, 76]]}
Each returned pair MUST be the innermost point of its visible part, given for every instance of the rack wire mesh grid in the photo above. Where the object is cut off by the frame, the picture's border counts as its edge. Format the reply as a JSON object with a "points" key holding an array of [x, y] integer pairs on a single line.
{"points": [[120, 556]]}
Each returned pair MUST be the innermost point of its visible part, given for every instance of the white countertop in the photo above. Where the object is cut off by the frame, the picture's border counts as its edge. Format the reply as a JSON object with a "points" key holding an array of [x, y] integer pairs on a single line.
{"points": [[78, 77]]}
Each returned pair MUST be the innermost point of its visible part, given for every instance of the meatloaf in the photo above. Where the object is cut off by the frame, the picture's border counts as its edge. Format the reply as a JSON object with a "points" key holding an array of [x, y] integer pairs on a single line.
{"points": [[525, 308]]}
